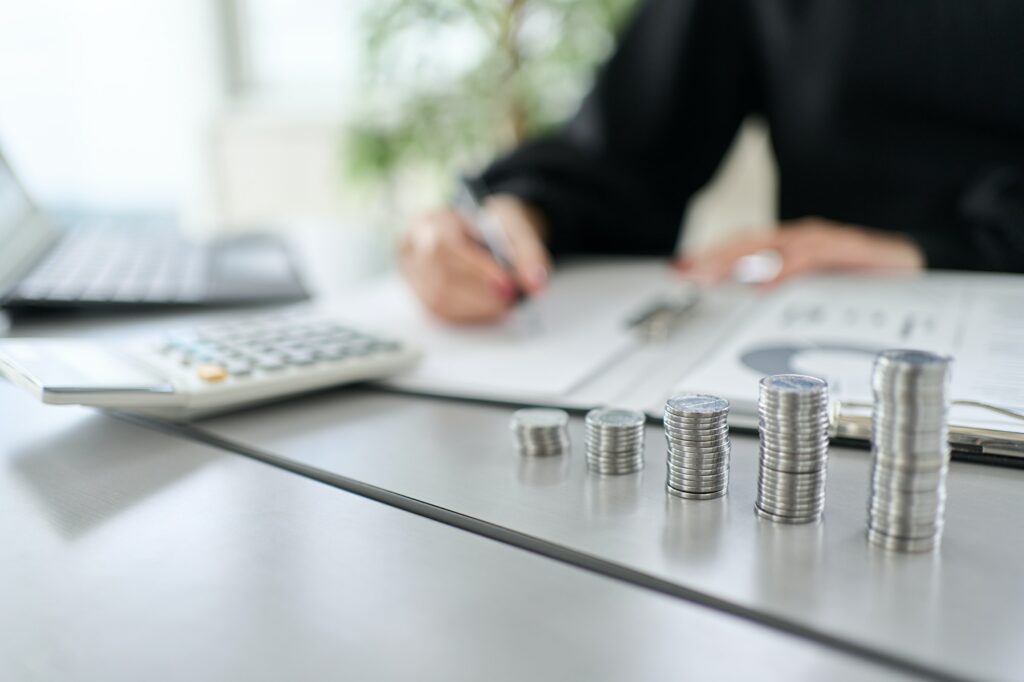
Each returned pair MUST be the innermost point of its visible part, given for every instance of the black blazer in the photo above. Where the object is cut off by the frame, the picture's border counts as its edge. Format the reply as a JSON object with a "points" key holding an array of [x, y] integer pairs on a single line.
{"points": [[898, 115]]}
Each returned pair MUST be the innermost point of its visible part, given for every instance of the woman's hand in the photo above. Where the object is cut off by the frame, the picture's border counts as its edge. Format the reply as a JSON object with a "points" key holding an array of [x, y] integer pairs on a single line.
{"points": [[813, 245], [454, 275]]}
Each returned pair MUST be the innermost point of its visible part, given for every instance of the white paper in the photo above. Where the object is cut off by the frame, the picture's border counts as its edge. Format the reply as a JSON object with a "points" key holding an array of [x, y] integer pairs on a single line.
{"points": [[833, 327]]}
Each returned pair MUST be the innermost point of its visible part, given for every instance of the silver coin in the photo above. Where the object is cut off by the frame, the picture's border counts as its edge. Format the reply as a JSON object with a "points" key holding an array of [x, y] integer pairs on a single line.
{"points": [[622, 437], [691, 430], [540, 418], [699, 459], [678, 445], [778, 518], [884, 518], [694, 429], [769, 409], [905, 530], [615, 447], [685, 455], [686, 495], [603, 456], [912, 504], [911, 464], [769, 473], [697, 403], [800, 500], [793, 383], [904, 544], [700, 427], [791, 487], [793, 403], [904, 510], [701, 484], [627, 462], [615, 418], [695, 421], [909, 480], [806, 445], [802, 511], [781, 425], [911, 359], [782, 504], [793, 456], [624, 462], [791, 497], [612, 448], [795, 515], [621, 434], [808, 497], [615, 471], [792, 468], [698, 479], [687, 452]]}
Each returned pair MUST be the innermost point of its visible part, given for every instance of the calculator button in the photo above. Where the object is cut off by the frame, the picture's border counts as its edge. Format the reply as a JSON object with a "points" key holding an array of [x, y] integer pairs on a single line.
{"points": [[331, 352], [299, 358], [269, 362], [238, 368], [211, 373], [359, 348]]}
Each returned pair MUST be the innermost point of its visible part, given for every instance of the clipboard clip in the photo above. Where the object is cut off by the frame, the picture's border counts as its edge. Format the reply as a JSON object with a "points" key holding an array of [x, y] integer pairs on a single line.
{"points": [[659, 319], [852, 419]]}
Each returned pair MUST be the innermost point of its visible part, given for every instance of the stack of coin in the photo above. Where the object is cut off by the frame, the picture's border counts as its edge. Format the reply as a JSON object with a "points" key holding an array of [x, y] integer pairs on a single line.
{"points": [[794, 431], [697, 432], [615, 441], [910, 443], [540, 432]]}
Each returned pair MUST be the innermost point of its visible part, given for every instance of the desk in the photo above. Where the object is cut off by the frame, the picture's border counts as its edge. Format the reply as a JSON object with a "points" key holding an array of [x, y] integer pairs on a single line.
{"points": [[131, 555], [956, 613]]}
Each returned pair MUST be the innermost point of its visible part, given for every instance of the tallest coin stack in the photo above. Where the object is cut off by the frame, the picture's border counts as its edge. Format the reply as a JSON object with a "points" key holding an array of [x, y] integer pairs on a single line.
{"points": [[910, 443]]}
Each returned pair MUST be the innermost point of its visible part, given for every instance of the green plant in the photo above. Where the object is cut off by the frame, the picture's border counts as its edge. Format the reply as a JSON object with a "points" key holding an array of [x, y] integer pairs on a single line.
{"points": [[450, 82]]}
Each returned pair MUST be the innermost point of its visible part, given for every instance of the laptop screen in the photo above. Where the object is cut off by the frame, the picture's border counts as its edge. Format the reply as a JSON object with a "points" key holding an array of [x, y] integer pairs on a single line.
{"points": [[24, 232]]}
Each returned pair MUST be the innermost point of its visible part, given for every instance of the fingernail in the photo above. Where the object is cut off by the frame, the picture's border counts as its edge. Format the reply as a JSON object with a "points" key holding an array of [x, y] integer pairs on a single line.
{"points": [[505, 288], [682, 264], [537, 278]]}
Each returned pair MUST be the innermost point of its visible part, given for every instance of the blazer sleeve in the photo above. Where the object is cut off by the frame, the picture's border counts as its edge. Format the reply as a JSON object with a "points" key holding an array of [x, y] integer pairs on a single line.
{"points": [[617, 176]]}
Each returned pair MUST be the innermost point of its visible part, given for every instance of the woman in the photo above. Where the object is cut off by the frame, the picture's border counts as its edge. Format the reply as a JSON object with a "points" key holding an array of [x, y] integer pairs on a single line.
{"points": [[898, 129]]}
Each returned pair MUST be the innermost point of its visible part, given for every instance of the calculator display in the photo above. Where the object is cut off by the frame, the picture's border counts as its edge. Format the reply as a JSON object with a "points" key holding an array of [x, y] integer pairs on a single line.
{"points": [[65, 366]]}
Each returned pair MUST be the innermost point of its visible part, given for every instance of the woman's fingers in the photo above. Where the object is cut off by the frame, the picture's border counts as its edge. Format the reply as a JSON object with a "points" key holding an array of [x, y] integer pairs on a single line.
{"points": [[522, 228], [451, 274], [718, 264], [456, 277], [814, 245]]}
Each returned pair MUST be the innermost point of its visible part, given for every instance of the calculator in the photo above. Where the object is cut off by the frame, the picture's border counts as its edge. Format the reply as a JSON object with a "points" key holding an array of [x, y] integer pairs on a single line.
{"points": [[205, 370]]}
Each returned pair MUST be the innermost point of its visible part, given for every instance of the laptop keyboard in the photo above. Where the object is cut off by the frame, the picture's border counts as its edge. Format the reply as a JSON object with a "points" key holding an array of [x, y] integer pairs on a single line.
{"points": [[120, 264]]}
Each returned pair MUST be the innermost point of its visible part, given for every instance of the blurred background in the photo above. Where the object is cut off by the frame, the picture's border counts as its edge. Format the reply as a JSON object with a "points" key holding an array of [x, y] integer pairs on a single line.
{"points": [[344, 114]]}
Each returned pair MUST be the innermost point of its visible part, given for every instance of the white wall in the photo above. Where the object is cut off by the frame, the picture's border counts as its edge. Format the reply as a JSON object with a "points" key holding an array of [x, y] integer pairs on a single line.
{"points": [[105, 104], [122, 105]]}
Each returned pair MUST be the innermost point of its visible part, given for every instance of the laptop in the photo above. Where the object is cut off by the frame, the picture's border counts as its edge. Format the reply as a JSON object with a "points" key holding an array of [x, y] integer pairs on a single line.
{"points": [[112, 264]]}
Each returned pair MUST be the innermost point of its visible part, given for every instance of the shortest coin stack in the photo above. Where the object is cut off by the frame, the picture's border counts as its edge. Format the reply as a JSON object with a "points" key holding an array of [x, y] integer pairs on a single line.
{"points": [[697, 432], [910, 440], [615, 441], [540, 432], [794, 432]]}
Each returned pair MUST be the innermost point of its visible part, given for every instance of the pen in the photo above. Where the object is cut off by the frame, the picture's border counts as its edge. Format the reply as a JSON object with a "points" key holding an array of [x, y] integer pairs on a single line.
{"points": [[468, 201]]}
